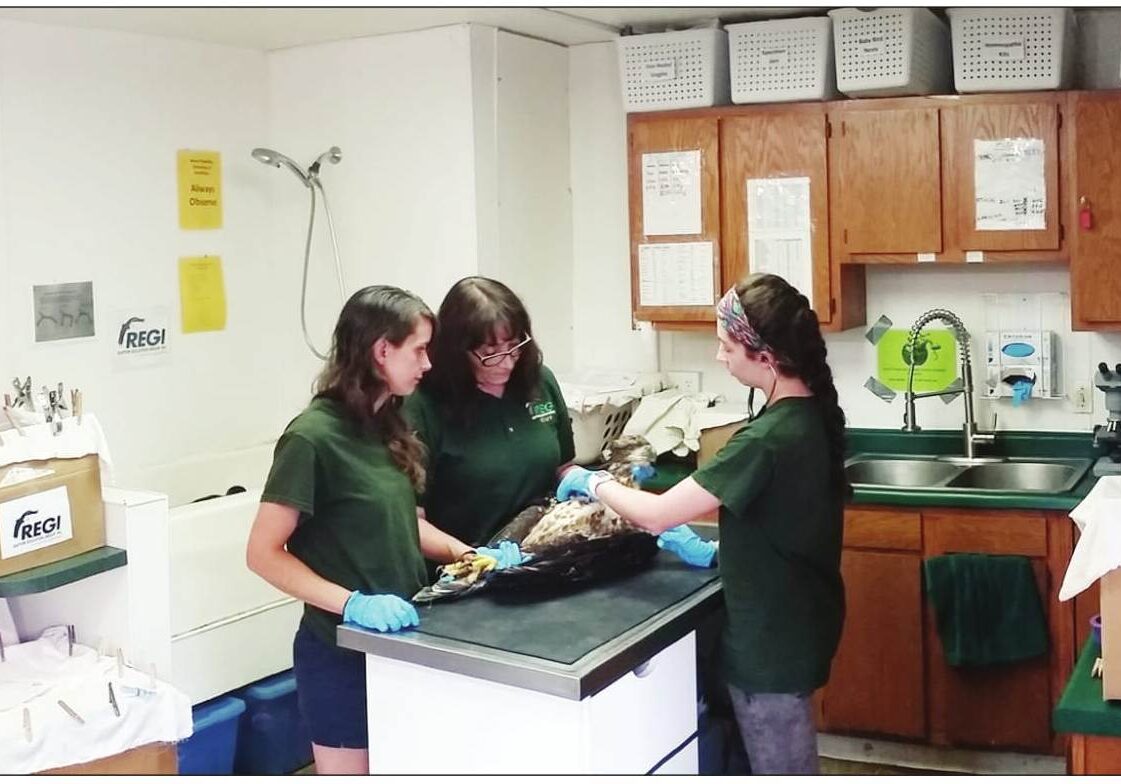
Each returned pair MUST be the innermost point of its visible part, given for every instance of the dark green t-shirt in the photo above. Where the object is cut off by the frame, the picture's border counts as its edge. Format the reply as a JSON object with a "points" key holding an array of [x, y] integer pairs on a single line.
{"points": [[780, 550], [481, 474], [357, 524]]}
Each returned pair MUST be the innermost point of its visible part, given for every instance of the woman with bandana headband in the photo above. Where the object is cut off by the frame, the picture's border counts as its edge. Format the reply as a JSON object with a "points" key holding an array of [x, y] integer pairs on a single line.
{"points": [[780, 486]]}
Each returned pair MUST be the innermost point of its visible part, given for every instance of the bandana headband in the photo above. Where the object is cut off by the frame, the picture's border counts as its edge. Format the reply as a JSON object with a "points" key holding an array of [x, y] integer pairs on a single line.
{"points": [[734, 320]]}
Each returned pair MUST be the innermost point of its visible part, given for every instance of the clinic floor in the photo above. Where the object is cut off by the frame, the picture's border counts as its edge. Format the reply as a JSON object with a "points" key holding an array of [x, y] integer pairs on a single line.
{"points": [[831, 767]]}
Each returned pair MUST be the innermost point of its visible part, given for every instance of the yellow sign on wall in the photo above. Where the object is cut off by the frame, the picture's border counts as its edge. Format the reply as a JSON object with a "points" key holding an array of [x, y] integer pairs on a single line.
{"points": [[202, 294], [200, 189]]}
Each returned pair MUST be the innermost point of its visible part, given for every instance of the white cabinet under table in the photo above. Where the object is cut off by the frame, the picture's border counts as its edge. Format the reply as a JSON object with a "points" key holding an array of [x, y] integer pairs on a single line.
{"points": [[487, 686]]}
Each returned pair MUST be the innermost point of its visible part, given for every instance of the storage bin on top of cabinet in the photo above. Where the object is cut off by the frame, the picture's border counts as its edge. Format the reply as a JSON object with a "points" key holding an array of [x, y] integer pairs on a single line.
{"points": [[782, 60], [1010, 49], [684, 69], [891, 51]]}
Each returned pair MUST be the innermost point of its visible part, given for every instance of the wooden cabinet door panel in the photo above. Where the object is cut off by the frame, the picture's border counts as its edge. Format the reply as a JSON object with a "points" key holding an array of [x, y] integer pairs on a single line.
{"points": [[883, 529], [1002, 706], [965, 124], [887, 190], [1095, 261], [876, 682], [675, 135], [767, 145]]}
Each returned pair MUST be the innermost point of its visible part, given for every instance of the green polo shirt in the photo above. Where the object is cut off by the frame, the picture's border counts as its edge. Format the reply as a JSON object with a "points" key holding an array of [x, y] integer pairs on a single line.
{"points": [[357, 525], [780, 550], [482, 473]]}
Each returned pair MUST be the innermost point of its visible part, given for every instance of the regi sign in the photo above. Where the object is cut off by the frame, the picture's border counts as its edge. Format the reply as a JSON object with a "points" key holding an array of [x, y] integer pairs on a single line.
{"points": [[142, 332], [35, 521]]}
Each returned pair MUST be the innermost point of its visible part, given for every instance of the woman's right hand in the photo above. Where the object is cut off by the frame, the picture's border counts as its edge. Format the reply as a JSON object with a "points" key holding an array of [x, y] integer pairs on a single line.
{"points": [[383, 612]]}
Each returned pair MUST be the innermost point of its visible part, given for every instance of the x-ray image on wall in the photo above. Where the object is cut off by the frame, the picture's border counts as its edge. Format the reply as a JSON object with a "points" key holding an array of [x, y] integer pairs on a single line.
{"points": [[63, 310]]}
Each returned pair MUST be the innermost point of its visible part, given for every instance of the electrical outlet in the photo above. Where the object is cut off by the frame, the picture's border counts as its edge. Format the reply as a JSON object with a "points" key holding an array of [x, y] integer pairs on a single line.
{"points": [[687, 381], [1081, 401]]}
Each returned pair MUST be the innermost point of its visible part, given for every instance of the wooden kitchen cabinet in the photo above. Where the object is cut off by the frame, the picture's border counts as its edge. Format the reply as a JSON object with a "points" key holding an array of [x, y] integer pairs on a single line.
{"points": [[876, 683], [1095, 285], [1005, 706], [774, 142], [890, 677], [887, 183], [904, 177], [661, 133]]}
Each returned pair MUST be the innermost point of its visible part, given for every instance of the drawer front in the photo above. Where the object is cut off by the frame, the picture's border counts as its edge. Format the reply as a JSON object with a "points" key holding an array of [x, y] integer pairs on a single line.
{"points": [[636, 721], [995, 534], [883, 529]]}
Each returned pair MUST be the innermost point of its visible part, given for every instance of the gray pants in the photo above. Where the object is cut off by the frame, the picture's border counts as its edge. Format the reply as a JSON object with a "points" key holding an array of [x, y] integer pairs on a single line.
{"points": [[778, 732]]}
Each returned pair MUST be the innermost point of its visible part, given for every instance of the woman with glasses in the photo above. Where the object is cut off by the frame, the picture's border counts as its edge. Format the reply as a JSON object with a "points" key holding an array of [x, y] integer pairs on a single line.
{"points": [[491, 415]]}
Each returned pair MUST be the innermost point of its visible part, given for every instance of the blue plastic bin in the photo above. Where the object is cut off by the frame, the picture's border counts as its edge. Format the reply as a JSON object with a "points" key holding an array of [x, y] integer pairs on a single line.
{"points": [[210, 749], [273, 739]]}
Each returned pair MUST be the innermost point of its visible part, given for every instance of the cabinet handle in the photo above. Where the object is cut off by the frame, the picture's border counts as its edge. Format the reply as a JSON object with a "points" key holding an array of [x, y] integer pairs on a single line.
{"points": [[1085, 214], [644, 669]]}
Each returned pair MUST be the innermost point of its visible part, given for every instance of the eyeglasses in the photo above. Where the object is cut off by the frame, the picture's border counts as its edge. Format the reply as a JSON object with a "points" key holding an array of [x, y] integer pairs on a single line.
{"points": [[490, 360]]}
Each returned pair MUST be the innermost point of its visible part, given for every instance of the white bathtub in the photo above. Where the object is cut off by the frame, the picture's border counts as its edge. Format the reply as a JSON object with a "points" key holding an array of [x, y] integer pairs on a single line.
{"points": [[228, 626]]}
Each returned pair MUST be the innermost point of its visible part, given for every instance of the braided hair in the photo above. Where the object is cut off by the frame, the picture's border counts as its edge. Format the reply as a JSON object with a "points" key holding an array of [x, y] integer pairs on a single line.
{"points": [[784, 320]]}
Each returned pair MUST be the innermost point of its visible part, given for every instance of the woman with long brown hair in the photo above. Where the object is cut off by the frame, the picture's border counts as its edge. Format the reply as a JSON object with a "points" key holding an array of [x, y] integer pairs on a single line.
{"points": [[491, 415], [337, 527], [780, 486]]}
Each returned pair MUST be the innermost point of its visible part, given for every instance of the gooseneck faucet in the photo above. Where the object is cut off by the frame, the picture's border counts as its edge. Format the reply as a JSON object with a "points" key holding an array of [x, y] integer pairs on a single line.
{"points": [[971, 436]]}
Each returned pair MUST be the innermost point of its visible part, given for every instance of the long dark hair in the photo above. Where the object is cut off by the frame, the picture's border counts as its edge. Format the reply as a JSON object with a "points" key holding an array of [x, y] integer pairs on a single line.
{"points": [[472, 312], [350, 378], [784, 320]]}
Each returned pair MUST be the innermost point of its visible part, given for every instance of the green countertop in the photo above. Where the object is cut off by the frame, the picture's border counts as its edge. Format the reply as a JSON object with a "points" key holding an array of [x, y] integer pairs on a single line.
{"points": [[1081, 709], [68, 570], [671, 470]]}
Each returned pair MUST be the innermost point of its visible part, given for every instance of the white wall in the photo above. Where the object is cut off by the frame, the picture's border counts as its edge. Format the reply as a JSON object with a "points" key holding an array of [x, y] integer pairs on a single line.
{"points": [[90, 122], [403, 197], [602, 311], [522, 165]]}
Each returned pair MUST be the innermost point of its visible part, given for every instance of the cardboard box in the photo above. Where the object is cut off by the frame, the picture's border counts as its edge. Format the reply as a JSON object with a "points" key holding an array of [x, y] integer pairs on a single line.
{"points": [[714, 438], [51, 517], [1111, 634]]}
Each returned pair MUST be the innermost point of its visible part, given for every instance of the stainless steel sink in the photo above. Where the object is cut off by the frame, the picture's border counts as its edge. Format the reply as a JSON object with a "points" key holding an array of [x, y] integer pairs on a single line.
{"points": [[902, 472], [957, 474]]}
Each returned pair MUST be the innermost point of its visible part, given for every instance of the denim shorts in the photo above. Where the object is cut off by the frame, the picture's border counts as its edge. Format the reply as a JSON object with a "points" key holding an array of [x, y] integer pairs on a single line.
{"points": [[331, 691]]}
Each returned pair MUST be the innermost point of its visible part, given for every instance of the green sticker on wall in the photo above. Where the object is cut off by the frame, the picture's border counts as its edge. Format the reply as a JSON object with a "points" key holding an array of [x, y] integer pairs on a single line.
{"points": [[936, 355]]}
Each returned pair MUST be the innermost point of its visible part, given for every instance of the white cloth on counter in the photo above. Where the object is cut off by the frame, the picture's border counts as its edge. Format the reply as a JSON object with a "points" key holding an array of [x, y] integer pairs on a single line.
{"points": [[38, 442], [587, 390], [38, 674], [1099, 547], [672, 421]]}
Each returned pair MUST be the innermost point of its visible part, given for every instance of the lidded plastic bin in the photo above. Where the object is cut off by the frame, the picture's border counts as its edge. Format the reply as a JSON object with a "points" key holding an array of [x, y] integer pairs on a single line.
{"points": [[210, 749], [1098, 32], [1012, 48], [273, 739], [683, 69], [891, 51], [782, 60]]}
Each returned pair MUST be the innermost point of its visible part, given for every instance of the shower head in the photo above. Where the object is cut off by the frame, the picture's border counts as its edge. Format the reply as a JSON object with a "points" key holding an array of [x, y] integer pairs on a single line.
{"points": [[333, 155], [274, 158]]}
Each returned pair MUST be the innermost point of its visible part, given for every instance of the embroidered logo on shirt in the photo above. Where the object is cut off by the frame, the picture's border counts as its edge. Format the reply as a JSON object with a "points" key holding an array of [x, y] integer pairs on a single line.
{"points": [[545, 413]]}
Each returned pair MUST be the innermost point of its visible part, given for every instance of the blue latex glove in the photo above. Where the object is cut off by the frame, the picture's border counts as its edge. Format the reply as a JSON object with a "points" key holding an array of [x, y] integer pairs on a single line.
{"points": [[640, 473], [580, 482], [686, 545], [507, 554], [383, 612]]}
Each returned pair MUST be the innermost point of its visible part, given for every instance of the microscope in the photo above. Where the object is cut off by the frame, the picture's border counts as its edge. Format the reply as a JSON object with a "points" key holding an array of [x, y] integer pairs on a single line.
{"points": [[1108, 436]]}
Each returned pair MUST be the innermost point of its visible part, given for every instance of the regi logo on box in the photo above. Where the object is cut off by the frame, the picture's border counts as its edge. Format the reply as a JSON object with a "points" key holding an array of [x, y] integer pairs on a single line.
{"points": [[35, 521]]}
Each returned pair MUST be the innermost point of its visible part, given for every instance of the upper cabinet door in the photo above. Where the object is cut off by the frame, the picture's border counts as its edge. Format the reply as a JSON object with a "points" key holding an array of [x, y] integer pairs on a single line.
{"points": [[1095, 258], [1003, 175], [783, 156], [666, 187], [887, 184]]}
